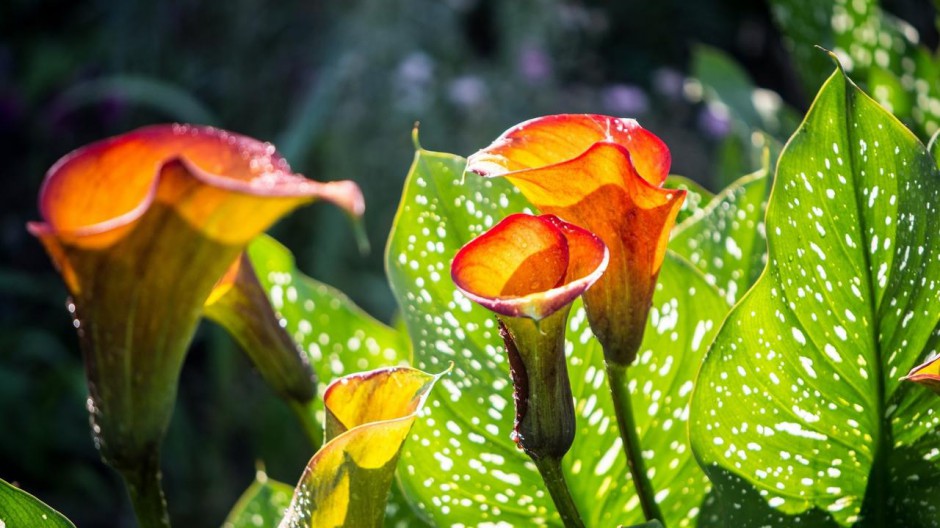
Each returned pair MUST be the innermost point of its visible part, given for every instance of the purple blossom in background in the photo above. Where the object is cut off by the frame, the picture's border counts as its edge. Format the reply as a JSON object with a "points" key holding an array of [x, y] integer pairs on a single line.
{"points": [[413, 79], [668, 83], [467, 91], [535, 65], [625, 100], [714, 121]]}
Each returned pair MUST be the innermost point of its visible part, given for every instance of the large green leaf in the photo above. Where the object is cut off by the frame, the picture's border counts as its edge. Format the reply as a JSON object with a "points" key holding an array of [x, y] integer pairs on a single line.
{"points": [[876, 47], [799, 400], [338, 336], [726, 238], [262, 505], [696, 196], [462, 467], [20, 509]]}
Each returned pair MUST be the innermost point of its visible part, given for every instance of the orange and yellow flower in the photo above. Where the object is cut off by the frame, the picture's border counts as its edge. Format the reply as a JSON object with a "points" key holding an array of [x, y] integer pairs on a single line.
{"points": [[605, 175], [926, 374], [529, 266], [141, 227], [528, 269]]}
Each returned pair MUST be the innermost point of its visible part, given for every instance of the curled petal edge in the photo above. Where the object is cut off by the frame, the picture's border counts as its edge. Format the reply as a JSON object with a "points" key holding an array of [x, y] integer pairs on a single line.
{"points": [[497, 160], [539, 305]]}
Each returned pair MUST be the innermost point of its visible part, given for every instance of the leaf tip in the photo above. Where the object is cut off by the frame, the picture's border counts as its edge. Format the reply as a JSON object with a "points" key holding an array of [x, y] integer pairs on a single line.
{"points": [[414, 136]]}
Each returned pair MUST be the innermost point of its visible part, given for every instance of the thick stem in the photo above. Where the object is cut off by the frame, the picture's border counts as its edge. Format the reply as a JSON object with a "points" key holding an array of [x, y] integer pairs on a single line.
{"points": [[617, 379], [550, 469], [146, 493], [306, 415]]}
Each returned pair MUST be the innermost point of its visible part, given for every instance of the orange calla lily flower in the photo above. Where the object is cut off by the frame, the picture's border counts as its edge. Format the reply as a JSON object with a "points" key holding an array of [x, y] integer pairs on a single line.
{"points": [[529, 266], [141, 226], [528, 269], [926, 374], [604, 174]]}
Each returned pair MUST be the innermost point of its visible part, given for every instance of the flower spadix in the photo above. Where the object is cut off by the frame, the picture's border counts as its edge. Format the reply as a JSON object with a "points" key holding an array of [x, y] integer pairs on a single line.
{"points": [[528, 269], [141, 226], [604, 174]]}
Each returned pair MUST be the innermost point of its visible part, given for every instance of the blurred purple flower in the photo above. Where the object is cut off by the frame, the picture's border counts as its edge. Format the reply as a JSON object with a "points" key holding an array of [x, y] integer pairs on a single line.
{"points": [[413, 79], [714, 121], [668, 83], [416, 68], [625, 100], [467, 91], [535, 65]]}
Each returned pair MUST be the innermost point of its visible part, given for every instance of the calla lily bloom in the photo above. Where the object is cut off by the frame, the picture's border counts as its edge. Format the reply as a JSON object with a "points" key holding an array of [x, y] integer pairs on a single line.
{"points": [[926, 374], [527, 269], [141, 227], [239, 304], [369, 416], [604, 174]]}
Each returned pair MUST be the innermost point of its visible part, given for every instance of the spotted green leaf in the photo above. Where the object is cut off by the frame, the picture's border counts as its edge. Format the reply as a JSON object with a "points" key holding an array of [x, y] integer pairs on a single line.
{"points": [[262, 505], [725, 239], [696, 196], [338, 336], [874, 46], [20, 509], [798, 410], [461, 467]]}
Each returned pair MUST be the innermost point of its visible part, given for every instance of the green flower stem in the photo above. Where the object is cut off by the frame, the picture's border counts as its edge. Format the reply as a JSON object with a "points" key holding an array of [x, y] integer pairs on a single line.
{"points": [[617, 380], [146, 493], [306, 414], [550, 469]]}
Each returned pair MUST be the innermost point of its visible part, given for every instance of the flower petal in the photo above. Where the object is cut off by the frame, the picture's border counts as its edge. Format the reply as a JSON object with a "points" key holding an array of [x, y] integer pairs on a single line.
{"points": [[371, 397], [554, 139], [601, 191], [523, 266], [239, 304], [926, 374], [347, 482], [128, 173]]}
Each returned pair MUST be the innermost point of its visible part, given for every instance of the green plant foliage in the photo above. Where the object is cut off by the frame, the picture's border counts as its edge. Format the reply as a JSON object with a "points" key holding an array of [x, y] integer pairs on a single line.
{"points": [[798, 412], [461, 465], [726, 238], [876, 47], [18, 508], [695, 198], [760, 120], [262, 504], [338, 336]]}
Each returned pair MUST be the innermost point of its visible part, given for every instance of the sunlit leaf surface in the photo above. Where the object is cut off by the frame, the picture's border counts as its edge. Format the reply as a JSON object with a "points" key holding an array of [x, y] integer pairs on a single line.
{"points": [[262, 505], [338, 336], [877, 48], [725, 239], [18, 508], [799, 402], [461, 466], [695, 198]]}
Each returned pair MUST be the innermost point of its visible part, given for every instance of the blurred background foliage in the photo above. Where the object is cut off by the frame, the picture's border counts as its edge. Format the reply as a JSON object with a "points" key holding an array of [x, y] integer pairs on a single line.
{"points": [[337, 86]]}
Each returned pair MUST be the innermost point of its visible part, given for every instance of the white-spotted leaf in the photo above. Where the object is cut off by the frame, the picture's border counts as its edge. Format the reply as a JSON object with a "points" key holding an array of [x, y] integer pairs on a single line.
{"points": [[799, 403], [338, 336], [725, 239], [875, 47]]}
